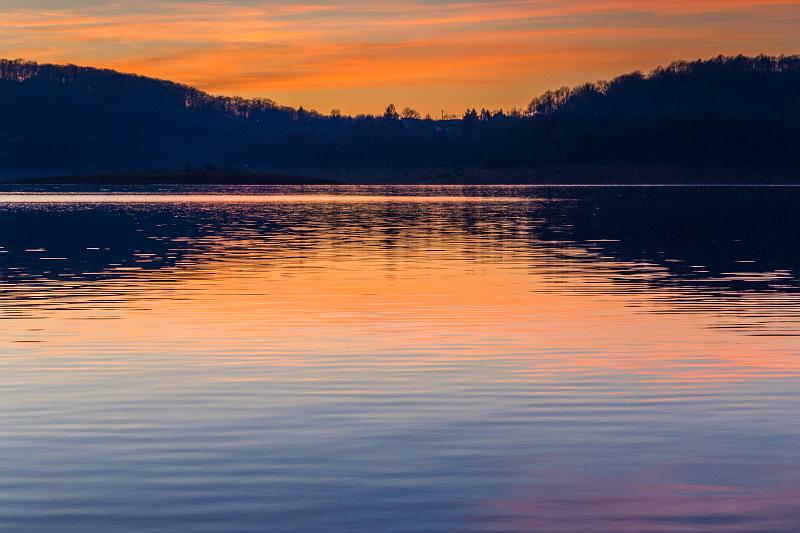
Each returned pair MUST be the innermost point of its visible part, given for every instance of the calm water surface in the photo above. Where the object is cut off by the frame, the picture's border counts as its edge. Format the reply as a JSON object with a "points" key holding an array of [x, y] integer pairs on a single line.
{"points": [[401, 359]]}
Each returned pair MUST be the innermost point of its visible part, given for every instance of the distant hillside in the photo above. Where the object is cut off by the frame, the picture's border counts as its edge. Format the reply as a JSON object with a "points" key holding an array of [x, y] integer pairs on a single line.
{"points": [[725, 114], [761, 88]]}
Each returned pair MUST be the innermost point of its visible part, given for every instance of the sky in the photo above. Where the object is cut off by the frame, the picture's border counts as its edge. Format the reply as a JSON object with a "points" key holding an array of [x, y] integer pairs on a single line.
{"points": [[358, 56]]}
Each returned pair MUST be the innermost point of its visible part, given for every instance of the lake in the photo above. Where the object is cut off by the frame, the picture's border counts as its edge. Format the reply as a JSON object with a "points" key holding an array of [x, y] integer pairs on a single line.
{"points": [[400, 359]]}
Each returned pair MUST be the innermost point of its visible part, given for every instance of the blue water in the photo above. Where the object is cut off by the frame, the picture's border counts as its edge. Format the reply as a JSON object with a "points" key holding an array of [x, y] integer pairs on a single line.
{"points": [[549, 359]]}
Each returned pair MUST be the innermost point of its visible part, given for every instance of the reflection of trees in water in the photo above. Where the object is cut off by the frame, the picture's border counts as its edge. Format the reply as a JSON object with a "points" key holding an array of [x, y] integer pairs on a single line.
{"points": [[703, 238], [84, 243], [727, 252], [723, 239]]}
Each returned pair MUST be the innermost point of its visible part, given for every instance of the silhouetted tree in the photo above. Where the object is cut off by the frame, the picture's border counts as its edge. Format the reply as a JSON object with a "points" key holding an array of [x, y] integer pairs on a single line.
{"points": [[471, 116], [409, 113], [391, 113], [549, 102]]}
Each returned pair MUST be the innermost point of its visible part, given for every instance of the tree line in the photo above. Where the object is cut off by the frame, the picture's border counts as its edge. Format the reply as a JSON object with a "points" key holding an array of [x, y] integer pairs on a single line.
{"points": [[727, 110]]}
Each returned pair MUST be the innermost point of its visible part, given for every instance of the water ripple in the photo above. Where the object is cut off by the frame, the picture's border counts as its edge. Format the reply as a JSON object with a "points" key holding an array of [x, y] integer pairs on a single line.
{"points": [[400, 359]]}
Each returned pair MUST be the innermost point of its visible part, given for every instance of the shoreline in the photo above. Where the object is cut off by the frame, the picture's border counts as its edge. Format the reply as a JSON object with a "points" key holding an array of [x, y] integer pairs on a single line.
{"points": [[564, 175], [166, 178]]}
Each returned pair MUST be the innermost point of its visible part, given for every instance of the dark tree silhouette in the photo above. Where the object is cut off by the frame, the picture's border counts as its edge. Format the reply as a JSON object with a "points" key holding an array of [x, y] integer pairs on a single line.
{"points": [[727, 112], [391, 113], [409, 113]]}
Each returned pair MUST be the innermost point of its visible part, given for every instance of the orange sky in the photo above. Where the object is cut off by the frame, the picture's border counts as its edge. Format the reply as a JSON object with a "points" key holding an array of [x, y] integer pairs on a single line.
{"points": [[359, 56]]}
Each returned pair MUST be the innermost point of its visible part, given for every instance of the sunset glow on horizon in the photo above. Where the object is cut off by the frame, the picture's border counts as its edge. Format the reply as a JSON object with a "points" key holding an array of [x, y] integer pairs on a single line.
{"points": [[428, 54]]}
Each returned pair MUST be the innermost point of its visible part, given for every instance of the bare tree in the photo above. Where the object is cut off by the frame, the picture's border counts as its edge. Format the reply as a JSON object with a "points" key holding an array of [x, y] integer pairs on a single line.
{"points": [[410, 113]]}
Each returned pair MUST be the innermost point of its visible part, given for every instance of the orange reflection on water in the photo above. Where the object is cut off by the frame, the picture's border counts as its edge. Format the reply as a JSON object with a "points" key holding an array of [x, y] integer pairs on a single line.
{"points": [[430, 297]]}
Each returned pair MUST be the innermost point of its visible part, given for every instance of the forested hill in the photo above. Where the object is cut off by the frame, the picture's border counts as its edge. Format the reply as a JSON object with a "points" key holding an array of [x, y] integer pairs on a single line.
{"points": [[725, 113]]}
